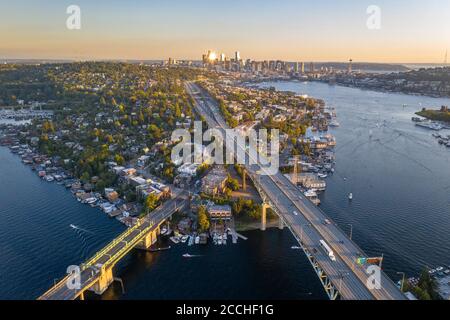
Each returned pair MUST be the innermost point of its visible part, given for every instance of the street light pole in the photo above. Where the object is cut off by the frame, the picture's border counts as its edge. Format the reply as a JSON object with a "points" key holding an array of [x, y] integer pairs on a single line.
{"points": [[403, 280]]}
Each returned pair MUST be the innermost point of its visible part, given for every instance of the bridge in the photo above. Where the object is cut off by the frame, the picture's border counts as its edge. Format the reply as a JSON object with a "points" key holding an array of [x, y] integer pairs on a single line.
{"points": [[96, 274], [343, 278]]}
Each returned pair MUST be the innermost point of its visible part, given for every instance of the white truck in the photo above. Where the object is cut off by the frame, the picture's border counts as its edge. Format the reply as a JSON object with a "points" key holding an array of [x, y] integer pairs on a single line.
{"points": [[328, 250]]}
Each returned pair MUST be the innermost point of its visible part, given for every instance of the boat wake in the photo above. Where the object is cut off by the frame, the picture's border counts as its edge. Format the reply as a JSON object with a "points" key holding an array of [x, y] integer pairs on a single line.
{"points": [[74, 227], [187, 255]]}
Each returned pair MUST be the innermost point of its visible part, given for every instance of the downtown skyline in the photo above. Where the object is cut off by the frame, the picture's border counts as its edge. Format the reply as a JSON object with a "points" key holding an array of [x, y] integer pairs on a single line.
{"points": [[410, 31]]}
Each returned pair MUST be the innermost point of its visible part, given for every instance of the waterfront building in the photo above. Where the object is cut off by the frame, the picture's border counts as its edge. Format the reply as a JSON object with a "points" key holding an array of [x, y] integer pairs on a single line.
{"points": [[215, 182], [217, 212]]}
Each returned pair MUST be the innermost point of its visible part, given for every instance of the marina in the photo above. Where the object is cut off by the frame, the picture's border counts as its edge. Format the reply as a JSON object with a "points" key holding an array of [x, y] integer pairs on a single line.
{"points": [[435, 126]]}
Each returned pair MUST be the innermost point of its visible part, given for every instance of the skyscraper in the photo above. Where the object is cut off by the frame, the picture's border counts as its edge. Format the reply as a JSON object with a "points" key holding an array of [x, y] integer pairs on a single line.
{"points": [[237, 56]]}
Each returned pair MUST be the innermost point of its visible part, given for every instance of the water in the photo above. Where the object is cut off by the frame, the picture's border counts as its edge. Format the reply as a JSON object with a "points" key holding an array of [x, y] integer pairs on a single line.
{"points": [[400, 179], [398, 173], [43, 229], [37, 242], [263, 267]]}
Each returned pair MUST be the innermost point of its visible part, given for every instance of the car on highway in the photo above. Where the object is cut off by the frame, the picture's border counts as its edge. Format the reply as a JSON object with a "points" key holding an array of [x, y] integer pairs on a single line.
{"points": [[326, 222], [295, 213]]}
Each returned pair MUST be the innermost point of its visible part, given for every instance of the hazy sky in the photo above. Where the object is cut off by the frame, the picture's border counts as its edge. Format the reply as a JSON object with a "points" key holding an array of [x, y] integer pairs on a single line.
{"points": [[295, 30]]}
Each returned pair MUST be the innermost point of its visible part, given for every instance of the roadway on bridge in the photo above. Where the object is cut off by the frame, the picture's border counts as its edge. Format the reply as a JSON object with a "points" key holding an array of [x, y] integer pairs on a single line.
{"points": [[117, 249], [307, 222]]}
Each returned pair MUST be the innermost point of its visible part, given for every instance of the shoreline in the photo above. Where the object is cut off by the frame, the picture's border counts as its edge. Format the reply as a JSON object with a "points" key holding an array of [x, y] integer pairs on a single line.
{"points": [[416, 94], [435, 115], [63, 182]]}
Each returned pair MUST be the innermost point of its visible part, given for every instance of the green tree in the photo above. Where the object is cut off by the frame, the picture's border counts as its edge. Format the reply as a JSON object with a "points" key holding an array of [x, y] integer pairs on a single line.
{"points": [[232, 183], [151, 202], [203, 219], [428, 285], [119, 159], [48, 126], [85, 177]]}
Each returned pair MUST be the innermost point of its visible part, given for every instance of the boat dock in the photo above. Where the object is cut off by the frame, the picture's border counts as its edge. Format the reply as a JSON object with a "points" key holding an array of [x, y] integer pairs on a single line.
{"points": [[238, 235]]}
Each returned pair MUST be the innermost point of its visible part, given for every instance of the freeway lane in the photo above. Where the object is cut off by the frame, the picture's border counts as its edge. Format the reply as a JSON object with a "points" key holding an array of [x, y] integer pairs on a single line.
{"points": [[349, 278]]}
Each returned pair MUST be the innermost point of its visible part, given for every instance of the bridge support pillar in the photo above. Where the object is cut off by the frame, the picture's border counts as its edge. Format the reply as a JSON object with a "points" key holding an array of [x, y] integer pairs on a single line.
{"points": [[104, 281], [149, 240], [280, 224], [264, 208], [244, 180]]}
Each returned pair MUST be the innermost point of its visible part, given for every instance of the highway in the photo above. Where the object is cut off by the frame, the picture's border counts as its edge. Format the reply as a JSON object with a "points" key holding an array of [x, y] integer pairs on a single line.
{"points": [[307, 222], [117, 249]]}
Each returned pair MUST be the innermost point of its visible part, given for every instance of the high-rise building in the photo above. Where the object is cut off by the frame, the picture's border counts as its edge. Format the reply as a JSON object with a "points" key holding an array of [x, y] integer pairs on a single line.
{"points": [[350, 66], [296, 67], [237, 56], [303, 67], [212, 56], [311, 67], [222, 57], [287, 67]]}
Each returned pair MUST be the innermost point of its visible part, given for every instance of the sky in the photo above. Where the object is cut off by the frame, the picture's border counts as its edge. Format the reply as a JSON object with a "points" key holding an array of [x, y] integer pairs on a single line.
{"points": [[411, 31]]}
